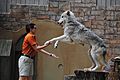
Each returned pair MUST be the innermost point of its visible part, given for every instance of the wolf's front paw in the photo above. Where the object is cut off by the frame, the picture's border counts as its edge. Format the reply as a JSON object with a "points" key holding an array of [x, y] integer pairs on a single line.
{"points": [[56, 44], [47, 43], [87, 69]]}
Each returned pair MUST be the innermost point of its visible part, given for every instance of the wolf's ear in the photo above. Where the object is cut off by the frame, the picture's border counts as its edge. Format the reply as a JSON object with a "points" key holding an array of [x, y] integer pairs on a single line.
{"points": [[68, 13]]}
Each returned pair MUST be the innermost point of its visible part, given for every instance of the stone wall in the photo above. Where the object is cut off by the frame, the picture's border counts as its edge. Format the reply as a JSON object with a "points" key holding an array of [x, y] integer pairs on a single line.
{"points": [[103, 21], [19, 15]]}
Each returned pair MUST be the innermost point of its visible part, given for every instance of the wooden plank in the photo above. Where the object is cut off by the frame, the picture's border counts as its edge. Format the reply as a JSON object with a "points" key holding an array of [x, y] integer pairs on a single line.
{"points": [[117, 2], [18, 1], [108, 4], [8, 5], [3, 6], [103, 3], [28, 1], [31, 1], [5, 68], [113, 2], [5, 47], [36, 1], [39, 2], [22, 1], [99, 2], [46, 2], [43, 2], [13, 1]]}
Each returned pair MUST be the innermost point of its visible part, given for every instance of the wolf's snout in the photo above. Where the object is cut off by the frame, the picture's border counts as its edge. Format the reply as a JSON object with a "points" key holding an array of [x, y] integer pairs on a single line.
{"points": [[58, 23]]}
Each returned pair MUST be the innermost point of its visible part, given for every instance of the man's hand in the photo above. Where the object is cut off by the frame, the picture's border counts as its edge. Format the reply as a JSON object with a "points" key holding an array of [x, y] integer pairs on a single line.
{"points": [[53, 55], [48, 53]]}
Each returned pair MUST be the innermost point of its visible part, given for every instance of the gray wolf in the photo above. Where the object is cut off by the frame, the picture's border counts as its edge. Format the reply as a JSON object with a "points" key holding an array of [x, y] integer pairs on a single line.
{"points": [[75, 32]]}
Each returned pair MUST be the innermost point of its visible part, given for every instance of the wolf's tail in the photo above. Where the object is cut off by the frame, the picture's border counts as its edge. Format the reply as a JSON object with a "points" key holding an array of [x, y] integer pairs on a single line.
{"points": [[104, 52]]}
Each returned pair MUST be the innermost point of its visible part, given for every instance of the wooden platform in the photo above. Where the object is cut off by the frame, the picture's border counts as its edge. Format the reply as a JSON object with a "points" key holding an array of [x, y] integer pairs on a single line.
{"points": [[91, 75], [87, 75]]}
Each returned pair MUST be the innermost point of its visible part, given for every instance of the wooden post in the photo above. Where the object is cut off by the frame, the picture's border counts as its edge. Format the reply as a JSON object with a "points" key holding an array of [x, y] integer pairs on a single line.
{"points": [[116, 68]]}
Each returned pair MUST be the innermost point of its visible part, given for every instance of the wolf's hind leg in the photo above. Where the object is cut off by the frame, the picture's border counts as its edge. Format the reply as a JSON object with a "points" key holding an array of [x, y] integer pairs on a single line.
{"points": [[104, 62], [95, 59], [90, 56]]}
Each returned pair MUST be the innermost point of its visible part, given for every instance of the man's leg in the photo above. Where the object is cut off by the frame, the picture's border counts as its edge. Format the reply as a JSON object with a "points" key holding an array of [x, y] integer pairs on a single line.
{"points": [[25, 68]]}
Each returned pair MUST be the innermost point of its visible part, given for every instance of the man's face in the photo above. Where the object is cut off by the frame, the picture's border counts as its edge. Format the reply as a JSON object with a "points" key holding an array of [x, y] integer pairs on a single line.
{"points": [[34, 30]]}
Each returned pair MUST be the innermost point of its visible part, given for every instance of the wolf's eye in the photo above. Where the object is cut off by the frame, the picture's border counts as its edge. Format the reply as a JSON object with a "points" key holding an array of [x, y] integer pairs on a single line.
{"points": [[62, 16]]}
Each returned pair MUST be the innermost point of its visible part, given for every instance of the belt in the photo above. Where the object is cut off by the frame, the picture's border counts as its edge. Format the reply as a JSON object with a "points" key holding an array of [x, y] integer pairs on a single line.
{"points": [[28, 56]]}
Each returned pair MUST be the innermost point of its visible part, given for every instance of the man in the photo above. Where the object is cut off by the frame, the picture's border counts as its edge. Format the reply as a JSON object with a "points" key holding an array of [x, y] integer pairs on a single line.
{"points": [[30, 48]]}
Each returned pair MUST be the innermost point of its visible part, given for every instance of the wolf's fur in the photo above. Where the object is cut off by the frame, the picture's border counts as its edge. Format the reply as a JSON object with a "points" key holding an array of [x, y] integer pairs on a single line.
{"points": [[75, 32]]}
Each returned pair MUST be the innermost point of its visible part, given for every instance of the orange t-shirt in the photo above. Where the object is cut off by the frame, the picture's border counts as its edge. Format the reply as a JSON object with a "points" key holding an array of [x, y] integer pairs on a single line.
{"points": [[28, 42]]}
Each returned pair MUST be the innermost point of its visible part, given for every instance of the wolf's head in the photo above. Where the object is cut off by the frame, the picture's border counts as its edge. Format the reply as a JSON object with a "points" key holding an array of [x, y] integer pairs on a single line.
{"points": [[66, 16]]}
